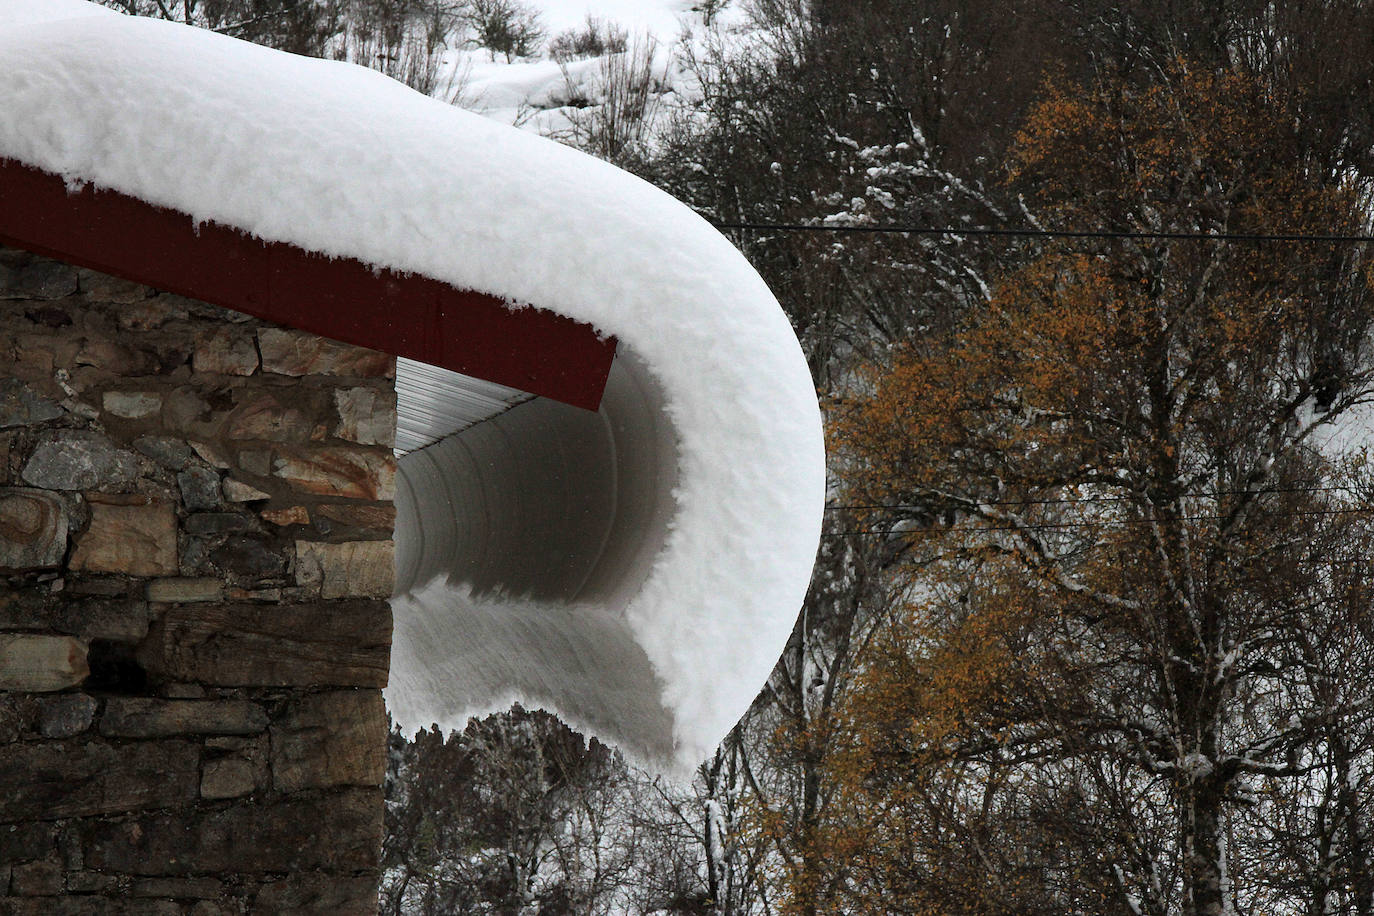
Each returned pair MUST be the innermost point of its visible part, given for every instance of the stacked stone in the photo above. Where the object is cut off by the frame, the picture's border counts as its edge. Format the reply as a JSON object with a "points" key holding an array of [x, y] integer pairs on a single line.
{"points": [[195, 556]]}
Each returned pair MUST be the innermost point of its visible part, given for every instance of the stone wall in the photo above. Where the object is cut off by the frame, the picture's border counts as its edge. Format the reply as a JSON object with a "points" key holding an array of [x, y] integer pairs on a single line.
{"points": [[195, 556]]}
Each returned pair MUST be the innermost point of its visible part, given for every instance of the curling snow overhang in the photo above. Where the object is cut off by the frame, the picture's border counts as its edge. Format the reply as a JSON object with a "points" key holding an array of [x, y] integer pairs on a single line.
{"points": [[637, 569]]}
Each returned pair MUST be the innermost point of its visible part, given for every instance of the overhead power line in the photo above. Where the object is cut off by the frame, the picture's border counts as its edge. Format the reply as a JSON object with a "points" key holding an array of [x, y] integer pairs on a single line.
{"points": [[1069, 501], [1097, 524], [891, 229]]}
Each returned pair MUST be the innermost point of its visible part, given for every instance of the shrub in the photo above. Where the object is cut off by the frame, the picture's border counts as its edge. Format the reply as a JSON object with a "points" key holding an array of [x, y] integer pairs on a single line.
{"points": [[508, 27], [594, 38]]}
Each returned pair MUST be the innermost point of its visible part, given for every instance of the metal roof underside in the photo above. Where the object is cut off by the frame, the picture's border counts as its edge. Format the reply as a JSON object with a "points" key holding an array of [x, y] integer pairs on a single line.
{"points": [[432, 403]]}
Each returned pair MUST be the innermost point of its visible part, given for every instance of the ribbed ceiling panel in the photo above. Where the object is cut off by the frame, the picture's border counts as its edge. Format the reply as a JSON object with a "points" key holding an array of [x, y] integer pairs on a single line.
{"points": [[432, 403]]}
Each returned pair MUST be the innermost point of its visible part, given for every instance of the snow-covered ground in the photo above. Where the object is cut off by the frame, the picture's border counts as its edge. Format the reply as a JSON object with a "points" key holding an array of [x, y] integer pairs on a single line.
{"points": [[535, 93], [662, 18]]}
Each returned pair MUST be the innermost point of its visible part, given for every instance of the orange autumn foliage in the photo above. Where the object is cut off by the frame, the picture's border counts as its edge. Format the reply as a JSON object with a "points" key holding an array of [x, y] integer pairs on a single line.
{"points": [[1075, 470]]}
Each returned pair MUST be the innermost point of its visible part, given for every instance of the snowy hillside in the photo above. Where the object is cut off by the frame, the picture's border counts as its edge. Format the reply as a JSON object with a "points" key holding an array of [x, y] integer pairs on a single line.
{"points": [[543, 94], [662, 18]]}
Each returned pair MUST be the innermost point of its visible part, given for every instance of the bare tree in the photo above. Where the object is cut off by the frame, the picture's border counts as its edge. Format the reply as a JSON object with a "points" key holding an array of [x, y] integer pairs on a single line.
{"points": [[1147, 617], [507, 27]]}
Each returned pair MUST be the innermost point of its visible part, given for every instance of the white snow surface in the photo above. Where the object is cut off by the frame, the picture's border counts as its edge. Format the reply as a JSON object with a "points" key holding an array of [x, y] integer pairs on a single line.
{"points": [[18, 12], [340, 160], [665, 19]]}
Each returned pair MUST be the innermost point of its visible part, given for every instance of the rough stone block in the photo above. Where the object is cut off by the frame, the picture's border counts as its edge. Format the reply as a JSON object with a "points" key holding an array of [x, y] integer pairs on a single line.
{"points": [[216, 523], [26, 842], [16, 715], [199, 488], [311, 895], [146, 717], [184, 409], [37, 278], [366, 416], [37, 879], [354, 569], [41, 664], [45, 354], [216, 908], [339, 644], [101, 287], [55, 906], [229, 777], [119, 620], [103, 586], [373, 518], [236, 491], [50, 316], [273, 595], [88, 618], [82, 905], [88, 882], [353, 473], [264, 837], [330, 739], [101, 350], [131, 405], [69, 847], [150, 314], [21, 406], [227, 351], [65, 716], [249, 560], [135, 540], [33, 529], [185, 590], [297, 353], [80, 778], [256, 461], [262, 415], [213, 454], [79, 460], [170, 453], [290, 515], [181, 888], [25, 609]]}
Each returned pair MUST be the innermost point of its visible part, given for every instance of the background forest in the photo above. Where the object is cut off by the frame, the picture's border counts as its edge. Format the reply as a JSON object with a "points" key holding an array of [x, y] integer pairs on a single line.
{"points": [[1090, 629]]}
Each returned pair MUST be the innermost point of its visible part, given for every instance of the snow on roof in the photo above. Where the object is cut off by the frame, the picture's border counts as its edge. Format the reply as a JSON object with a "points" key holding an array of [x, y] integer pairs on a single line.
{"points": [[340, 160], [20, 12]]}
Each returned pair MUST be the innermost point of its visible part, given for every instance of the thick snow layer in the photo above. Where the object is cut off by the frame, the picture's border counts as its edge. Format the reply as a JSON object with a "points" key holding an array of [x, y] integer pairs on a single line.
{"points": [[340, 160], [16, 12], [479, 653], [543, 95]]}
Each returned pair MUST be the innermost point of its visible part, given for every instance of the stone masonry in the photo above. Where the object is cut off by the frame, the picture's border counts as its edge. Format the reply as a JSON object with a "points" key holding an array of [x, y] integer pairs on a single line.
{"points": [[195, 556]]}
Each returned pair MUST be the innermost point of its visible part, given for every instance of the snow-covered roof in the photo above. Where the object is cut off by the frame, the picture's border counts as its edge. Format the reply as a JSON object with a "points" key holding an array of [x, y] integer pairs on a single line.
{"points": [[345, 162]]}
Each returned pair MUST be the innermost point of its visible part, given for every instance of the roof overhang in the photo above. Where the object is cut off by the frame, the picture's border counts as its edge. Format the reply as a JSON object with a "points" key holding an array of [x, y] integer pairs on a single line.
{"points": [[638, 568], [407, 315]]}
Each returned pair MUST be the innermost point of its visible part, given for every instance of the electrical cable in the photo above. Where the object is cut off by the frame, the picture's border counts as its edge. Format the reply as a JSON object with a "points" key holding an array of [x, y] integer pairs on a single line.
{"points": [[888, 229], [895, 507], [1105, 523]]}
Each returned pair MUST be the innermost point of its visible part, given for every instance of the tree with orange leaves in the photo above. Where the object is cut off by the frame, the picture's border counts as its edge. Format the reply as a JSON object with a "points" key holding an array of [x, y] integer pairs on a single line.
{"points": [[1137, 669]]}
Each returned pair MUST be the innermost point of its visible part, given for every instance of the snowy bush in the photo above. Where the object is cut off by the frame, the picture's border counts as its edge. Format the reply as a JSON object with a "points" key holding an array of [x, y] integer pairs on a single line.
{"points": [[594, 38], [405, 39], [626, 90], [508, 27]]}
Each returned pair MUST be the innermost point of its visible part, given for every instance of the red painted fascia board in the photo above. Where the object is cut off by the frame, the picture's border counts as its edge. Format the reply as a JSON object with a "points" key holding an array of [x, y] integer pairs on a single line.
{"points": [[402, 314]]}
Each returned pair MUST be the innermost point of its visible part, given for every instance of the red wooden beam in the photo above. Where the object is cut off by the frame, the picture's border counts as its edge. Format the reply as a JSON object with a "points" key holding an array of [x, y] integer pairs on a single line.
{"points": [[402, 314]]}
